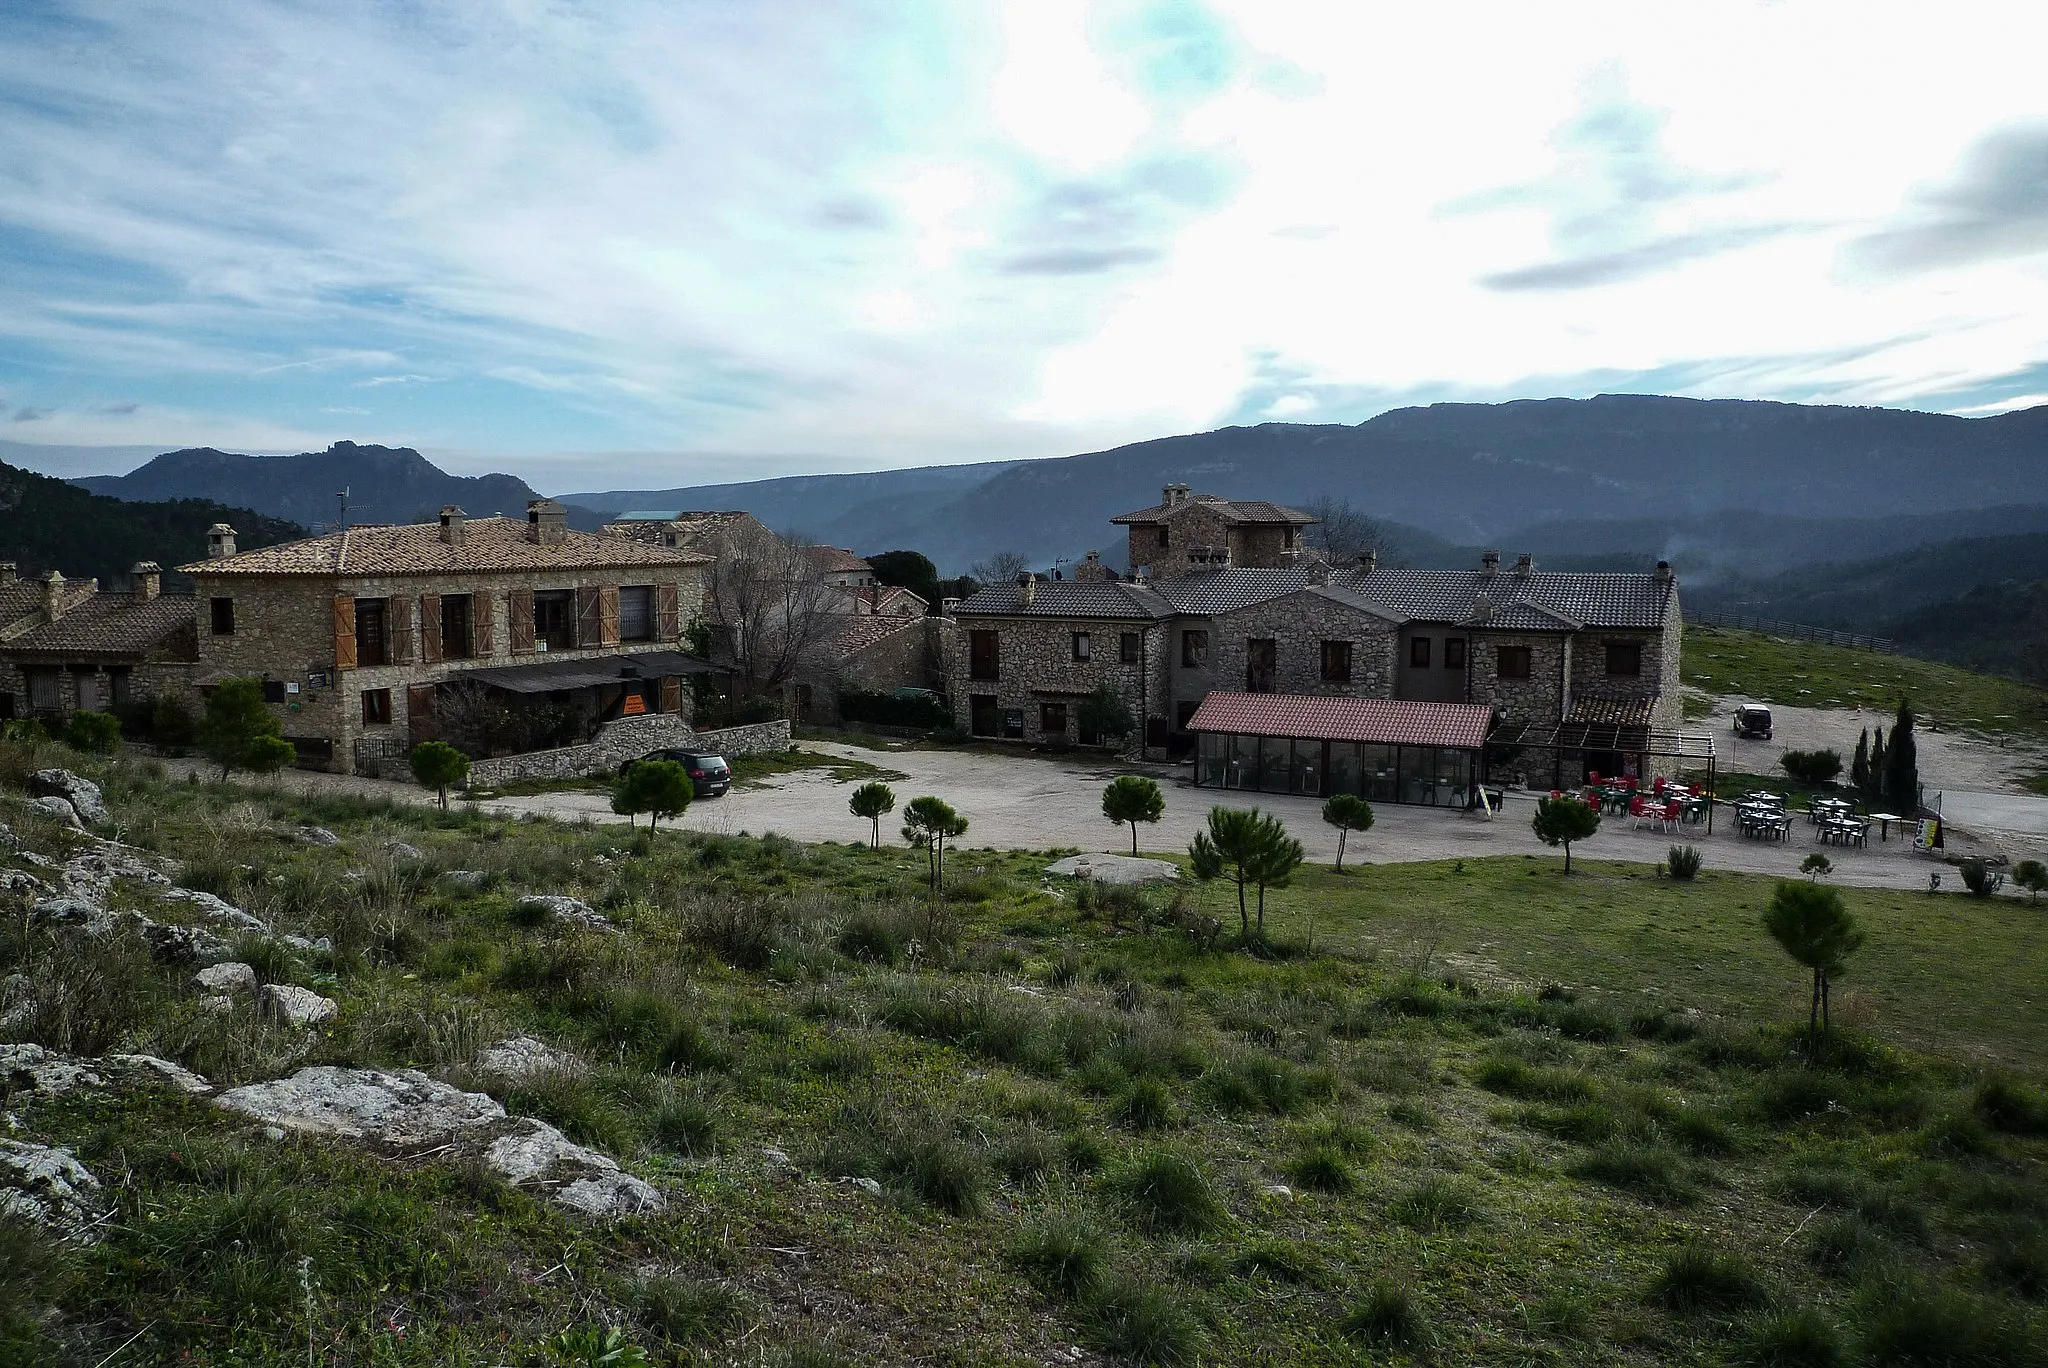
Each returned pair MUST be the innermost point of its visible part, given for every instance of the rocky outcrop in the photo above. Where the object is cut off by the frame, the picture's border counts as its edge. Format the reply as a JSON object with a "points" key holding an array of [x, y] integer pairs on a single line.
{"points": [[218, 909], [406, 1111], [33, 1069], [233, 976], [318, 836], [82, 794], [562, 908], [520, 1058], [295, 1006], [48, 1186], [60, 809]]}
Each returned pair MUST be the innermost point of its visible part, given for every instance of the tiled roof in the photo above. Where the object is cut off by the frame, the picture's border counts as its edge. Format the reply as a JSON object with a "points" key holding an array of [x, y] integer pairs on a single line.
{"points": [[856, 634], [1225, 591], [1071, 598], [1385, 721], [417, 549], [112, 624], [887, 599], [1230, 510], [1540, 601], [835, 560], [1613, 710]]}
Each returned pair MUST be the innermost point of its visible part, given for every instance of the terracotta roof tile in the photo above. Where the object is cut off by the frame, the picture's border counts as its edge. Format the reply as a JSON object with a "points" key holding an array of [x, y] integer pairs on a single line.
{"points": [[417, 549], [1385, 721], [1230, 510], [835, 560], [112, 624]]}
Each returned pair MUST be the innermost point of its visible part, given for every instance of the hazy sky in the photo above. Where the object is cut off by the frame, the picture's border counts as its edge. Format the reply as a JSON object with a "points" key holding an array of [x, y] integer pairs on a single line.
{"points": [[746, 239]]}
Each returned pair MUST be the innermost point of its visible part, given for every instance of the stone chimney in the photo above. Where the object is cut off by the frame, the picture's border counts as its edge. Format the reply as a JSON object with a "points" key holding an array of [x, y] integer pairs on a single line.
{"points": [[1489, 561], [1173, 495], [1482, 606], [1027, 589], [452, 520], [9, 572], [145, 581], [1663, 570], [1319, 572], [547, 524], [1525, 565], [948, 607], [53, 596], [220, 542], [1141, 574], [1091, 569], [1368, 560]]}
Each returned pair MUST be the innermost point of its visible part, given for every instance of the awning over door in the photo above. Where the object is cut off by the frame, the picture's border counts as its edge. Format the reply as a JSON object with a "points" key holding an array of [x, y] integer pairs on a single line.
{"points": [[549, 676], [1386, 721]]}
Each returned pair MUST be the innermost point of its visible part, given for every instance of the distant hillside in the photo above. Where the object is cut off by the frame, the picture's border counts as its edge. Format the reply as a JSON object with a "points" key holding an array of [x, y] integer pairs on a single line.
{"points": [[1999, 628], [385, 484], [1474, 474], [47, 524], [1859, 595]]}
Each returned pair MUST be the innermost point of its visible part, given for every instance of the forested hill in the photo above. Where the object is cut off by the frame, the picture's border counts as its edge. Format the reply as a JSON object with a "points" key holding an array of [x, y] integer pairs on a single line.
{"points": [[48, 524]]}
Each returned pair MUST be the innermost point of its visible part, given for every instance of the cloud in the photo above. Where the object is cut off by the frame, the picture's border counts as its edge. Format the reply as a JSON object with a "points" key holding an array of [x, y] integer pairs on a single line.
{"points": [[1607, 268], [1079, 260], [377, 381], [30, 415], [118, 409], [1994, 206]]}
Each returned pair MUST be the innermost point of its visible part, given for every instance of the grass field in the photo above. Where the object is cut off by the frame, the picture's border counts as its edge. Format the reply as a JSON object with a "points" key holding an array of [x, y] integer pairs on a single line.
{"points": [[1724, 661], [1495, 1116]]}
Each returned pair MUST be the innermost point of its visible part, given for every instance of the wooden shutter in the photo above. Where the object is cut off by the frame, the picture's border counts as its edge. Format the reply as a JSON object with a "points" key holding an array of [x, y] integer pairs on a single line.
{"points": [[483, 623], [344, 632], [430, 628], [398, 615], [668, 615], [608, 615], [419, 713], [589, 618], [522, 621], [671, 695]]}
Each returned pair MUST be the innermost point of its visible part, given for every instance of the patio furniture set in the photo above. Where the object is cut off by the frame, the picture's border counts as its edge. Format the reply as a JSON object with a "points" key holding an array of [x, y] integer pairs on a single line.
{"points": [[1666, 807]]}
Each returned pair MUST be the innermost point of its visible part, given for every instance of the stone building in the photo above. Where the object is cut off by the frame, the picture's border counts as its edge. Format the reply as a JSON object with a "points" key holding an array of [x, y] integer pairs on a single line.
{"points": [[1518, 645], [66, 646], [502, 635], [1186, 533], [835, 565]]}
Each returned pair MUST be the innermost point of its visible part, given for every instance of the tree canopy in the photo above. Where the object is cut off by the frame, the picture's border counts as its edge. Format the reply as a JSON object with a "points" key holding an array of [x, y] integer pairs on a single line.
{"points": [[1133, 798], [437, 765], [1348, 813], [1812, 924], [659, 788], [236, 718], [873, 800], [1563, 820], [912, 570], [1250, 847], [931, 822]]}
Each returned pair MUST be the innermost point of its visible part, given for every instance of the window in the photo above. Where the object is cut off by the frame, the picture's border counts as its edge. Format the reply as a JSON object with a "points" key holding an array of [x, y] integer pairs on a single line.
{"points": [[223, 616], [45, 691], [1454, 653], [376, 707], [983, 656], [273, 691], [1418, 653], [1194, 649], [1052, 718], [1336, 662], [554, 620], [1013, 723], [457, 618], [118, 687], [1084, 645], [1511, 662], [1624, 658], [1261, 664], [1160, 537], [1128, 647], [636, 612], [370, 648]]}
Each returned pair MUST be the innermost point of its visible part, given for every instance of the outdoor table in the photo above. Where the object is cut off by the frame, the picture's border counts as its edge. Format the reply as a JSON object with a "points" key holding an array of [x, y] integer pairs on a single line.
{"points": [[1884, 822]]}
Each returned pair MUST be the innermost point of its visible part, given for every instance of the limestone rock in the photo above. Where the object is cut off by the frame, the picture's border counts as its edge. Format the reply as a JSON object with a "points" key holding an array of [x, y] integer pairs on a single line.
{"points": [[322, 945], [399, 850], [470, 879], [92, 872], [610, 1194], [318, 836], [83, 795], [296, 1006], [21, 881], [535, 1154], [521, 1057], [402, 1109], [217, 1005], [219, 909], [148, 1070], [563, 908], [233, 976], [48, 1186], [66, 911], [182, 944], [59, 808], [34, 1069]]}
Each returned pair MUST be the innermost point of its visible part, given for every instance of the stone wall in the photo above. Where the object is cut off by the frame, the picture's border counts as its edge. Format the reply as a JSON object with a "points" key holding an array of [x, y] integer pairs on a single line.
{"points": [[1299, 624], [1036, 664], [628, 738], [1540, 697]]}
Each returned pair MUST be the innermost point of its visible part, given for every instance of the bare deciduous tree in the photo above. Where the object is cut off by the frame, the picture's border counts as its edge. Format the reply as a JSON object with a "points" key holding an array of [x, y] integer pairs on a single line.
{"points": [[769, 605], [1001, 568], [1340, 532]]}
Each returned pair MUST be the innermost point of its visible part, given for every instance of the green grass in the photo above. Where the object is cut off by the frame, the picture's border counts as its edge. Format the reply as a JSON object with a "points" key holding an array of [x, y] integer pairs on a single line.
{"points": [[1722, 660], [1524, 1119]]}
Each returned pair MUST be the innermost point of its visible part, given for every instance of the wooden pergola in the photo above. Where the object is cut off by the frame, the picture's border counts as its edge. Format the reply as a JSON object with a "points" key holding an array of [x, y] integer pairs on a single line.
{"points": [[1641, 742]]}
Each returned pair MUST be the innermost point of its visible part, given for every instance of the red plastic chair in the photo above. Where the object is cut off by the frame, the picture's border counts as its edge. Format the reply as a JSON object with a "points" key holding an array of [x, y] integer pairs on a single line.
{"points": [[1593, 776]]}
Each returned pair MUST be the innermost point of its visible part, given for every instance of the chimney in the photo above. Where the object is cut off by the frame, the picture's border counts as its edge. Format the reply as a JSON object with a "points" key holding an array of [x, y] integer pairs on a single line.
{"points": [[53, 596], [1663, 570], [1319, 572], [1368, 560], [1482, 606], [948, 607], [1141, 574], [1173, 494], [145, 581], [8, 572], [1489, 561], [1524, 565], [452, 519], [220, 542], [1027, 589], [546, 523]]}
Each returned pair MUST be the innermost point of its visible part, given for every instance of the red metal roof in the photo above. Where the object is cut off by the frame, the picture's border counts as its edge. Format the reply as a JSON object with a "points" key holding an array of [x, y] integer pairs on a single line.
{"points": [[1386, 721]]}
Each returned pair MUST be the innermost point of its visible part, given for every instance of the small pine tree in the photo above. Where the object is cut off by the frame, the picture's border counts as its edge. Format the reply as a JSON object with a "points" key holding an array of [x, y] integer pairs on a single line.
{"points": [[236, 717], [931, 822], [1561, 821], [94, 732], [437, 765], [1874, 787], [1902, 766], [1859, 767], [2031, 875], [659, 788], [266, 755], [1133, 798], [1814, 927], [1251, 847], [1348, 813], [873, 800]]}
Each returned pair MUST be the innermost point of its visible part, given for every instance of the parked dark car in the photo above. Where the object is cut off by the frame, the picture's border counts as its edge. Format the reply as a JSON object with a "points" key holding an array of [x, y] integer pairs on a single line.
{"points": [[1753, 722], [709, 773]]}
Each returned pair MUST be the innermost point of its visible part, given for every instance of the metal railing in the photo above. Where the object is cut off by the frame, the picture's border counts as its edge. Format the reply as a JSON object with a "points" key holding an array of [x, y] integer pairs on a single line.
{"points": [[1798, 630]]}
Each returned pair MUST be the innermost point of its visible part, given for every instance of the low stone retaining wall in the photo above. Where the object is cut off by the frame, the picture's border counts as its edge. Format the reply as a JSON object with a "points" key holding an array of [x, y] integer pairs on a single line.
{"points": [[628, 738]]}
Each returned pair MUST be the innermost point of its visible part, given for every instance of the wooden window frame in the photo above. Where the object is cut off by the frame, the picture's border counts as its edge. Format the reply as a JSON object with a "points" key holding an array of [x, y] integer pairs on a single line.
{"points": [[1194, 648], [1083, 645], [1130, 647], [1336, 662], [1514, 662], [376, 707]]}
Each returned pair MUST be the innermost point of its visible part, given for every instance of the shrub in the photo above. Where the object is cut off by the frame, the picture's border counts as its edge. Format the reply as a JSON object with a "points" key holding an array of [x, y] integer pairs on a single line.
{"points": [[1916, 1325], [2031, 875], [1682, 862], [1436, 1203], [1814, 768], [1846, 1246], [1387, 1315], [1166, 1189], [915, 1153], [95, 733], [2009, 1105], [874, 935], [1324, 1168], [577, 1107], [684, 1311], [1980, 878], [1649, 1172], [1696, 1277], [1061, 1252], [1583, 1021], [1133, 1319], [1798, 1338], [1146, 1105], [1248, 1083], [1027, 1154], [685, 1123]]}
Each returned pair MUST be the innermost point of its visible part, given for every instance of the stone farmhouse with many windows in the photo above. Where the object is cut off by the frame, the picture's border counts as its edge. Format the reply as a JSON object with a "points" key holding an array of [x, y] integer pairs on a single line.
{"points": [[373, 638], [1245, 663], [66, 646]]}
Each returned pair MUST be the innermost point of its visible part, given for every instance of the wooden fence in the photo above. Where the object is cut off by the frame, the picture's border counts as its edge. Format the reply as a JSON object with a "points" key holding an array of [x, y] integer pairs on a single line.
{"points": [[1797, 630]]}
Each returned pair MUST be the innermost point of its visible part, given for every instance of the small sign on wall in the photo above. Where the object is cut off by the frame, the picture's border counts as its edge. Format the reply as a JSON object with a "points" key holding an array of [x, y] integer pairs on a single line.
{"points": [[635, 705]]}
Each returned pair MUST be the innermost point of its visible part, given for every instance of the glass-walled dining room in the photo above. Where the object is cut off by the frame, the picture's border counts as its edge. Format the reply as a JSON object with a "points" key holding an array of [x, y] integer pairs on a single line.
{"points": [[1429, 776]]}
